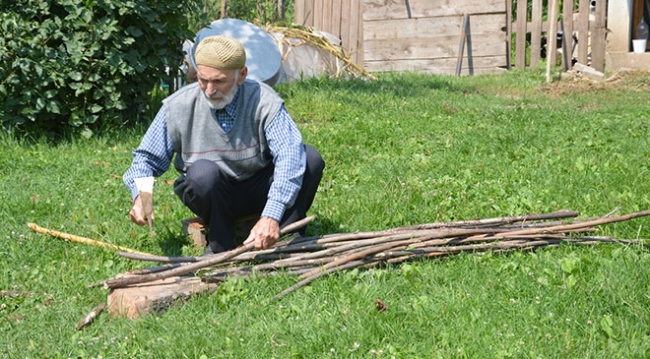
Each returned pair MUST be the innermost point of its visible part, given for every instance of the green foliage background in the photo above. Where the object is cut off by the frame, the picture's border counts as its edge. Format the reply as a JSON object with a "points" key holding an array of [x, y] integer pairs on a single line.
{"points": [[71, 63]]}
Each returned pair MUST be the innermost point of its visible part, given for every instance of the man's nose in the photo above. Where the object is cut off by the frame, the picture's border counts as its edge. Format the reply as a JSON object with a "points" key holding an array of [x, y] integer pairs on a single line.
{"points": [[211, 89]]}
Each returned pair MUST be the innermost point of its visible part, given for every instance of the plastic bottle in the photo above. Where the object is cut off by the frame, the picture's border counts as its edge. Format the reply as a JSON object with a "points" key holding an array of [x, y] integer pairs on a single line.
{"points": [[641, 30]]}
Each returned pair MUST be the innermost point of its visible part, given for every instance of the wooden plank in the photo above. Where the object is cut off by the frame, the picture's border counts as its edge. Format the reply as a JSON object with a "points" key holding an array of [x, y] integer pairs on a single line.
{"points": [[520, 40], [583, 31], [356, 32], [337, 19], [396, 9], [567, 28], [509, 33], [326, 12], [308, 19], [598, 34], [316, 14], [345, 26], [400, 30], [446, 66], [425, 48], [536, 33], [299, 11], [551, 43]]}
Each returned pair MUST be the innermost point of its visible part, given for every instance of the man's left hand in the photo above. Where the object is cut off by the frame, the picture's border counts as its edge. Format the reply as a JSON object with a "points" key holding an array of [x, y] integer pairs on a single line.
{"points": [[264, 234]]}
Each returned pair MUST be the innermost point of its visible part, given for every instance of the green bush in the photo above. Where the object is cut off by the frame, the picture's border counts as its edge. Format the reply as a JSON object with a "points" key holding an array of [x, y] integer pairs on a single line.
{"points": [[85, 63]]}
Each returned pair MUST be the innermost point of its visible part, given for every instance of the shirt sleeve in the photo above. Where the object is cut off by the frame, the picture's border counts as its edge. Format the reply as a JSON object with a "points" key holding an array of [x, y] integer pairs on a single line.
{"points": [[153, 156], [289, 158]]}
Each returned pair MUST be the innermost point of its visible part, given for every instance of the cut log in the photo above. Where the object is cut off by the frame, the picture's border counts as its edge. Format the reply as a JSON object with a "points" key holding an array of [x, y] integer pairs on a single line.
{"points": [[155, 297]]}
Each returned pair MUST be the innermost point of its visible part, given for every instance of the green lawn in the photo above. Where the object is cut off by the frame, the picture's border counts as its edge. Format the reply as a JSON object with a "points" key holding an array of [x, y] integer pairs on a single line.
{"points": [[407, 149]]}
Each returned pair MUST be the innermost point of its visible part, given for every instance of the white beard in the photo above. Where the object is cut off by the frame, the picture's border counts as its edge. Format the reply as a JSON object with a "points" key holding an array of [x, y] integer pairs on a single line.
{"points": [[219, 101]]}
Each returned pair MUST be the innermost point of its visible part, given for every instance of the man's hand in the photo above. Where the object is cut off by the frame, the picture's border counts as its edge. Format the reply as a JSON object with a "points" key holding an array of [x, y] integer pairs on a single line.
{"points": [[137, 213], [264, 234]]}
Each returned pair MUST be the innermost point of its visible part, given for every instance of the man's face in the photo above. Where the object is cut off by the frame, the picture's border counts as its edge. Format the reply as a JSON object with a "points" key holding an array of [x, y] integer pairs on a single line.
{"points": [[219, 86]]}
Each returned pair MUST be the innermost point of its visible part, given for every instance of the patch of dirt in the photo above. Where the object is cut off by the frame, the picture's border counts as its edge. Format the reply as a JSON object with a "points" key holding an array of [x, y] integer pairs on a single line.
{"points": [[574, 82]]}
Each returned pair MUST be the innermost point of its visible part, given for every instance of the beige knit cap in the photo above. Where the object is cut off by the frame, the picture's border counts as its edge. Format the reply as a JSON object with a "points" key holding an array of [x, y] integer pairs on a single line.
{"points": [[221, 52]]}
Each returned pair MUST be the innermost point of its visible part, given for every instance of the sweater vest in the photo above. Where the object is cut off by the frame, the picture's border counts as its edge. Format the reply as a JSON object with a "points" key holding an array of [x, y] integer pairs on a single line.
{"points": [[196, 134]]}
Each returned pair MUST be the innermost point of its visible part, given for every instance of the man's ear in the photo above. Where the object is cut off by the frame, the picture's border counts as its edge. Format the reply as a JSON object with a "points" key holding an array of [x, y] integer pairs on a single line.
{"points": [[242, 75]]}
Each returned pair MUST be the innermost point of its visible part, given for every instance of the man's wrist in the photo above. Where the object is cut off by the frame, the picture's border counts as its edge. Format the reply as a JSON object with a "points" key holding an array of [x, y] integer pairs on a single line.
{"points": [[274, 210]]}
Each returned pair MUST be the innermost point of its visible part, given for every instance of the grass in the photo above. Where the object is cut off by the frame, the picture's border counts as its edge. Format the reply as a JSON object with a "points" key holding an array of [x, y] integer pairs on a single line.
{"points": [[405, 150]]}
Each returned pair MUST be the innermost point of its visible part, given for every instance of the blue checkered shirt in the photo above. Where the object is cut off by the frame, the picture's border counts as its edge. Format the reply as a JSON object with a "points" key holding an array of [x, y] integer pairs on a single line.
{"points": [[154, 155]]}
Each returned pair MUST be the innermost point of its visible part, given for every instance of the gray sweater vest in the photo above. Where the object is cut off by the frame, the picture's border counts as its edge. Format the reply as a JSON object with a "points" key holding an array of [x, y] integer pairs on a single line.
{"points": [[196, 134]]}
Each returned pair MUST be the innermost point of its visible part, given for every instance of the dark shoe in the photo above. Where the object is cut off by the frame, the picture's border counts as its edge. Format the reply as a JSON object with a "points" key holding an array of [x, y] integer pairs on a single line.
{"points": [[208, 251]]}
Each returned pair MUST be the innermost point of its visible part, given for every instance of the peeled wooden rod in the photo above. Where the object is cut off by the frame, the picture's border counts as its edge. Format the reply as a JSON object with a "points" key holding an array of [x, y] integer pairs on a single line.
{"points": [[396, 258], [320, 273], [164, 259], [496, 221], [572, 226], [78, 239], [214, 259], [209, 261], [373, 259]]}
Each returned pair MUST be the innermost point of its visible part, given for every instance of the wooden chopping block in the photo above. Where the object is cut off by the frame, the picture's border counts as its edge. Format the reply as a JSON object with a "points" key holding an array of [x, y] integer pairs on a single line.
{"points": [[155, 297]]}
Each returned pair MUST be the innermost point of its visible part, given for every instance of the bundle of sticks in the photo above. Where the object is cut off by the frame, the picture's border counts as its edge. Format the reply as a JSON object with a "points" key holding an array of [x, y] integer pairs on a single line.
{"points": [[312, 257]]}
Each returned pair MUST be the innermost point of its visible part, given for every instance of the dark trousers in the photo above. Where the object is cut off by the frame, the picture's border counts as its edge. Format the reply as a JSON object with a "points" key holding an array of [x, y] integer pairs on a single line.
{"points": [[220, 200]]}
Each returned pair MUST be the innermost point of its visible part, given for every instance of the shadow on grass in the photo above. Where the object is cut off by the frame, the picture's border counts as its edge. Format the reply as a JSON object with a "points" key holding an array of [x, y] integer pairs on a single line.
{"points": [[171, 241]]}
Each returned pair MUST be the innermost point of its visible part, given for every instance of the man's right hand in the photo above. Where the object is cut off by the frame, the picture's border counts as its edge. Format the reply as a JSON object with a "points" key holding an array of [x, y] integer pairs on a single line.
{"points": [[137, 214]]}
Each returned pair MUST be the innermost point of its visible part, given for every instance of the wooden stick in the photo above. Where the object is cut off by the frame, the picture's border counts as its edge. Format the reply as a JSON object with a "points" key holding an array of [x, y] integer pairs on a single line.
{"points": [[163, 259], [551, 38], [311, 278], [85, 321], [461, 48], [568, 227], [497, 220], [72, 237], [214, 259]]}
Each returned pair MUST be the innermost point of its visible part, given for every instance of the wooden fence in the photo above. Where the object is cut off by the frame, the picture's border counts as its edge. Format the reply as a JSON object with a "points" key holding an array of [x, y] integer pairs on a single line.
{"points": [[584, 26], [583, 29], [341, 18]]}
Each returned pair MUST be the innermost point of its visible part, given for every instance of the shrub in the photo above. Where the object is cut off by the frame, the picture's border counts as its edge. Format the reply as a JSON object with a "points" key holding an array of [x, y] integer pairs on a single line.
{"points": [[82, 63]]}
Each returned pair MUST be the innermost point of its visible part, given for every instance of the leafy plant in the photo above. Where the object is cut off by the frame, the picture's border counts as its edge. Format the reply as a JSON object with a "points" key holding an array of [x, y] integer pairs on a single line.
{"points": [[71, 63]]}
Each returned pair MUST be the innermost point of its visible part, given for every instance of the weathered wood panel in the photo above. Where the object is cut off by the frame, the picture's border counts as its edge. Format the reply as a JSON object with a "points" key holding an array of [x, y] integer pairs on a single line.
{"points": [[403, 30], [520, 40], [432, 47], [399, 9], [599, 33], [536, 34], [440, 66], [583, 31], [567, 28]]}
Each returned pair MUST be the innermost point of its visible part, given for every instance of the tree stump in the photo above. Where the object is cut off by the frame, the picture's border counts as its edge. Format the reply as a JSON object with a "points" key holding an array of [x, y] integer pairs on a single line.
{"points": [[155, 297]]}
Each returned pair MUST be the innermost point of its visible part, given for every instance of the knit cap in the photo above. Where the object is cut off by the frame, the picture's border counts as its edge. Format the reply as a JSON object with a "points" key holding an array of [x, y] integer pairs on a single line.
{"points": [[220, 52]]}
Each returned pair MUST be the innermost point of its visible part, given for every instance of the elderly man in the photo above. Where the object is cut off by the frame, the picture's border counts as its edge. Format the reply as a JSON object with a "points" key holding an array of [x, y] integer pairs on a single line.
{"points": [[238, 152]]}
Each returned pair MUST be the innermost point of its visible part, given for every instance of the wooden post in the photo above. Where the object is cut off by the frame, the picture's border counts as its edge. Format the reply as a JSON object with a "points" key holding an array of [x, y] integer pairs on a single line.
{"points": [[567, 29], [224, 9], [461, 48], [536, 33], [520, 46], [551, 43]]}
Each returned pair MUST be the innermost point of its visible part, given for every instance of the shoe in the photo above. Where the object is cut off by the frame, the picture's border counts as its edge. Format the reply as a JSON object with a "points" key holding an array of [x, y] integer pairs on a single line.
{"points": [[208, 251]]}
